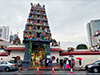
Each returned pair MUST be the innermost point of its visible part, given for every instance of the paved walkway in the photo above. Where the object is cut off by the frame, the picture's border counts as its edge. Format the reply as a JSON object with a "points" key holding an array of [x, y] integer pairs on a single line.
{"points": [[56, 67]]}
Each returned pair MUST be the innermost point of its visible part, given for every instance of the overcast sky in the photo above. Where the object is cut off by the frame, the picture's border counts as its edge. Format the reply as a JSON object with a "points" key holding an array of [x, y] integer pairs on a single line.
{"points": [[67, 18]]}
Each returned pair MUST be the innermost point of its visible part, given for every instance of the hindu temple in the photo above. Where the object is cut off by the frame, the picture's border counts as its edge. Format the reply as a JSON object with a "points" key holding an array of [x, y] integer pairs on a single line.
{"points": [[36, 36]]}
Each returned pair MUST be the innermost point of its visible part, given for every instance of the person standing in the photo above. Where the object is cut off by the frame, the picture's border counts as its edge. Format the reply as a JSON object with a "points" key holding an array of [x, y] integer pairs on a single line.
{"points": [[73, 63], [47, 61], [64, 64], [80, 63], [57, 60], [1, 59], [70, 62], [67, 64], [43, 62]]}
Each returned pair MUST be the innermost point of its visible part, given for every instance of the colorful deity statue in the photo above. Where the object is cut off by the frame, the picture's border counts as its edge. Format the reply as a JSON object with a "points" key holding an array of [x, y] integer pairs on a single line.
{"points": [[30, 28], [41, 28], [40, 22], [16, 41], [35, 35], [26, 27], [24, 35], [37, 58], [28, 21], [41, 55], [32, 16], [41, 35]]}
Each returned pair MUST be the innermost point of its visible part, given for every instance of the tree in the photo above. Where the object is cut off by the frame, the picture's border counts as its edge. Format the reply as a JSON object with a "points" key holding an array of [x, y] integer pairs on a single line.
{"points": [[44, 50]]}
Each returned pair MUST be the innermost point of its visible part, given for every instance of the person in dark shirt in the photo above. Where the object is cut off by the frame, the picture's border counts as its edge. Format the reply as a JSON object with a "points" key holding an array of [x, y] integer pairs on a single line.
{"points": [[57, 60]]}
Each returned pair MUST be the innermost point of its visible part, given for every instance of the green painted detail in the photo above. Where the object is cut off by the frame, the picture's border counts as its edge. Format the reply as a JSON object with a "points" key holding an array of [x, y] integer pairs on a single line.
{"points": [[30, 49]]}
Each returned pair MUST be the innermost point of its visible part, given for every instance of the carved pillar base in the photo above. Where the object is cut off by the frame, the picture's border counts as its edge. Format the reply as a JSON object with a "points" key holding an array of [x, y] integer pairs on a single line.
{"points": [[25, 63]]}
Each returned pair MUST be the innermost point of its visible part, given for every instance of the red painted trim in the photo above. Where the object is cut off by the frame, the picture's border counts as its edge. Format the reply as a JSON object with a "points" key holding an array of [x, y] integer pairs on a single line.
{"points": [[55, 49], [15, 48], [80, 53], [3, 54], [22, 48]]}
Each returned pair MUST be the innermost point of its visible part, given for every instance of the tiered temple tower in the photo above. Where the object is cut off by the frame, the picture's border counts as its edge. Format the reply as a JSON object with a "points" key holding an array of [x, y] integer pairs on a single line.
{"points": [[37, 31]]}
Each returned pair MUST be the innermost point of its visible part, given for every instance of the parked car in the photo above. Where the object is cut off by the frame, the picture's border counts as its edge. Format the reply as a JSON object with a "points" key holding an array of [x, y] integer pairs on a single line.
{"points": [[7, 66], [17, 62], [93, 67]]}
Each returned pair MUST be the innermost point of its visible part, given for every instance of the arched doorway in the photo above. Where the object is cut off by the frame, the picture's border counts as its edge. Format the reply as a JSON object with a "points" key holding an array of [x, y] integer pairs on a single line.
{"points": [[37, 55], [35, 49]]}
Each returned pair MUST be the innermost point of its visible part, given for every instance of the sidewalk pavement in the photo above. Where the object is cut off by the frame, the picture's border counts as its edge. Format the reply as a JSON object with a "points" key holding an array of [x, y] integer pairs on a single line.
{"points": [[56, 68]]}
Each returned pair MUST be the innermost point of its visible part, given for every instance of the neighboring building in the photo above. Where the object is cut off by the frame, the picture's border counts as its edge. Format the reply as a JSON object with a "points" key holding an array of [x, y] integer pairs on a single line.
{"points": [[96, 38], [11, 38], [4, 32], [92, 27], [3, 45]]}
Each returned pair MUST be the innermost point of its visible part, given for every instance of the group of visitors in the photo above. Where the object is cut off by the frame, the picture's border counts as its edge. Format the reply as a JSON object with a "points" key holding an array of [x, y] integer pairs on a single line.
{"points": [[45, 62], [68, 63]]}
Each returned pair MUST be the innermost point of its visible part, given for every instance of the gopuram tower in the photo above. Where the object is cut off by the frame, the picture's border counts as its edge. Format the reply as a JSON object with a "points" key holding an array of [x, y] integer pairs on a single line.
{"points": [[36, 37]]}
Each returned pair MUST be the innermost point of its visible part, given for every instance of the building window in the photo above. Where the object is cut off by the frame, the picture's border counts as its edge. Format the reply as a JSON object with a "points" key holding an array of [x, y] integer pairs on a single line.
{"points": [[0, 35], [37, 15], [38, 27], [0, 30], [38, 35], [38, 21]]}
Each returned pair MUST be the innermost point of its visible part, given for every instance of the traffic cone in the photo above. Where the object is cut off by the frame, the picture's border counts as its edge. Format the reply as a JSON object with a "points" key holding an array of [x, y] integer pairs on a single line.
{"points": [[53, 70], [37, 69], [71, 70], [19, 70]]}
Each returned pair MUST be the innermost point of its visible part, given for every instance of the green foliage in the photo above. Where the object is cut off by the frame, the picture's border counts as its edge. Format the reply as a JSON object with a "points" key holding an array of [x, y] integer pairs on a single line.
{"points": [[44, 49], [30, 49], [81, 46], [95, 46]]}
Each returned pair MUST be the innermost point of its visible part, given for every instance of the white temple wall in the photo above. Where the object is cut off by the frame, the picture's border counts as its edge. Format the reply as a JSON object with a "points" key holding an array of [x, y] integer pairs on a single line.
{"points": [[86, 59], [13, 54], [17, 53], [56, 54]]}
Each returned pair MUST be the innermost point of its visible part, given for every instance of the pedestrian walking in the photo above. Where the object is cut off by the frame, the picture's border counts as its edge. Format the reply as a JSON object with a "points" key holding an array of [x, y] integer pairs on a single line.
{"points": [[80, 63], [57, 60], [43, 62], [70, 62], [1, 59], [67, 64], [73, 63], [47, 62], [64, 64]]}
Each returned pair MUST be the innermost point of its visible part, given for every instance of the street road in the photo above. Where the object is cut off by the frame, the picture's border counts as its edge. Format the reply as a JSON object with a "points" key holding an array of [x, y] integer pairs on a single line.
{"points": [[34, 72]]}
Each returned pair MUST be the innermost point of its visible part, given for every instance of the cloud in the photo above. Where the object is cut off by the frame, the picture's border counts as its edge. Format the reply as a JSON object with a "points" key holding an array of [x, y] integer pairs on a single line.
{"points": [[67, 18]]}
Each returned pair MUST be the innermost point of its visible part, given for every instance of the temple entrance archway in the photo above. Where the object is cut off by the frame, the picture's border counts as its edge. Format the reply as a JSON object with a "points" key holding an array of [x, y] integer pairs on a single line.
{"points": [[37, 55]]}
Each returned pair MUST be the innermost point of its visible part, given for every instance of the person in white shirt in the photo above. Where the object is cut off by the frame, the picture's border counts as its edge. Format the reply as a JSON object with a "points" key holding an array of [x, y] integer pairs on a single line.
{"points": [[1, 59]]}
